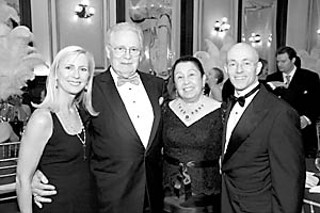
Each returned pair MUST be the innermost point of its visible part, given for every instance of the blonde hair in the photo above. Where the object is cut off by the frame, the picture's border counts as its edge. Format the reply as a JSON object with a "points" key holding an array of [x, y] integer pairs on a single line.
{"points": [[84, 97]]}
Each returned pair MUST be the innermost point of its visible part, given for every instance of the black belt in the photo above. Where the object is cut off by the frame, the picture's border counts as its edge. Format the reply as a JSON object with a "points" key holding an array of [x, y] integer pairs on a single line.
{"points": [[195, 164]]}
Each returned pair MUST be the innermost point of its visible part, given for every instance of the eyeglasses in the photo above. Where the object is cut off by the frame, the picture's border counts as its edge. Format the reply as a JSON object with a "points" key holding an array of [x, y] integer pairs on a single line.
{"points": [[246, 65], [120, 51]]}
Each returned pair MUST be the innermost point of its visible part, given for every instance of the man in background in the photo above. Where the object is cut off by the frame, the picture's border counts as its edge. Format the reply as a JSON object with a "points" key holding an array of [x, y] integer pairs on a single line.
{"points": [[301, 89]]}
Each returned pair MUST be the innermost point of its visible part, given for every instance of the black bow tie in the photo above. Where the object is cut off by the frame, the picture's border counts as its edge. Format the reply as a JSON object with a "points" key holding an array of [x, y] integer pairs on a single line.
{"points": [[242, 99]]}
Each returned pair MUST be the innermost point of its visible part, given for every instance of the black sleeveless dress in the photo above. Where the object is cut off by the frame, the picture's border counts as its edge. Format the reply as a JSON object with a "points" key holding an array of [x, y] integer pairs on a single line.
{"points": [[196, 150], [63, 164]]}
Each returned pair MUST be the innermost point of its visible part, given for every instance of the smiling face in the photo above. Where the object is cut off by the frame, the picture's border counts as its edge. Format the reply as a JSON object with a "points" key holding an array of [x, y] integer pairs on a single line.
{"points": [[124, 64], [73, 73], [188, 81], [242, 66]]}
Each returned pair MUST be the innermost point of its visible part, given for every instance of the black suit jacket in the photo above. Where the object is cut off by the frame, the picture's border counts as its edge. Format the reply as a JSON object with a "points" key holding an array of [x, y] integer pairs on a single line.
{"points": [[263, 169], [303, 94], [125, 171]]}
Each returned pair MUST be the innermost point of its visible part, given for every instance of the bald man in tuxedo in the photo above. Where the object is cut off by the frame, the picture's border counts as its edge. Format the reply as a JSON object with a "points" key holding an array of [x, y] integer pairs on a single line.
{"points": [[263, 164]]}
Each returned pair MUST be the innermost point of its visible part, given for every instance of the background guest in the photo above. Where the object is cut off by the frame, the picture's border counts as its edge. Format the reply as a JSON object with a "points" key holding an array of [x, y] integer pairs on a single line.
{"points": [[192, 130], [214, 81], [301, 91]]}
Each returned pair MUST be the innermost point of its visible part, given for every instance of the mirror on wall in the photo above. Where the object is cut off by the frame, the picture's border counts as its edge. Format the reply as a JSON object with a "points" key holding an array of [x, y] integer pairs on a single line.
{"points": [[158, 20], [258, 28]]}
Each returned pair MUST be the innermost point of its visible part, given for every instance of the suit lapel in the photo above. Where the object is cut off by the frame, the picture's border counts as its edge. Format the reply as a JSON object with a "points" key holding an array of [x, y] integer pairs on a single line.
{"points": [[154, 100], [295, 79], [251, 117], [279, 77], [113, 99], [226, 113]]}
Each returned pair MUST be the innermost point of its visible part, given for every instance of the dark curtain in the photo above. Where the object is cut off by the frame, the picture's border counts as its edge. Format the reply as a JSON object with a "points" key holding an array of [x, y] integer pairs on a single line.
{"points": [[120, 11], [186, 31], [25, 13], [282, 13]]}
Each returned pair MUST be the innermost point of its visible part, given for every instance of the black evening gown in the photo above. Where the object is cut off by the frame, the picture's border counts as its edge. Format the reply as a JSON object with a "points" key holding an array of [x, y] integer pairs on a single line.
{"points": [[63, 164], [200, 143]]}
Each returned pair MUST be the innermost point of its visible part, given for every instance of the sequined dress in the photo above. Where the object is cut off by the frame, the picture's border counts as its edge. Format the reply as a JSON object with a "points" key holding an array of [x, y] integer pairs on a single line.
{"points": [[63, 164], [200, 142]]}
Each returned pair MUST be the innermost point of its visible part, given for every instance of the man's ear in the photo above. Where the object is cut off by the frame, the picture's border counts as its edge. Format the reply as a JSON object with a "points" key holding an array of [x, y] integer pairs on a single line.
{"points": [[107, 51], [294, 60], [225, 69], [141, 55], [258, 68], [204, 79]]}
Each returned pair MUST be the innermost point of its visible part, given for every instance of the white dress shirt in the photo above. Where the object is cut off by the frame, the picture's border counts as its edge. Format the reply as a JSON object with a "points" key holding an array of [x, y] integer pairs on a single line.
{"points": [[291, 74], [138, 107], [237, 111]]}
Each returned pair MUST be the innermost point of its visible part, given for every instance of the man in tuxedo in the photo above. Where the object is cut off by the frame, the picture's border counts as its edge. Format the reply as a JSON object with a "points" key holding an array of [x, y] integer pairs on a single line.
{"points": [[126, 146], [301, 89], [262, 164]]}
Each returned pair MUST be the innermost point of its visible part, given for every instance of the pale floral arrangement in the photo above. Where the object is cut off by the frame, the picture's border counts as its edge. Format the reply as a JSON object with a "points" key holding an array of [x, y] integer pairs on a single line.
{"points": [[17, 58]]}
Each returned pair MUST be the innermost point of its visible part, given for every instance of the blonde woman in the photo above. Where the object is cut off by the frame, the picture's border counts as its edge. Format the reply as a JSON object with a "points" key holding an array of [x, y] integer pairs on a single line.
{"points": [[55, 140]]}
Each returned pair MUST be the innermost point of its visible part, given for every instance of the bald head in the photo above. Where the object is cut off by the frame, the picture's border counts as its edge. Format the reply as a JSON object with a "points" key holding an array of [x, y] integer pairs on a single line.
{"points": [[243, 49], [242, 66]]}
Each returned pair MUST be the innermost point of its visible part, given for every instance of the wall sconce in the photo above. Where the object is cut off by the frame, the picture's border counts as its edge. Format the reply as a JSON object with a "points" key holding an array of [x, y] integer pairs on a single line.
{"points": [[255, 38], [318, 31], [222, 26], [83, 10]]}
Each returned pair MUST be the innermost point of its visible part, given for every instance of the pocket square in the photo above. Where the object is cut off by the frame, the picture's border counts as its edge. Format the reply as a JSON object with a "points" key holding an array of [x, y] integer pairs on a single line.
{"points": [[311, 180], [161, 99]]}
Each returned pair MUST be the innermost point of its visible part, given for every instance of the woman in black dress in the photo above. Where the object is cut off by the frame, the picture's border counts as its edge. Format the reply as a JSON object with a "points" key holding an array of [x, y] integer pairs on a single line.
{"points": [[192, 131], [55, 138]]}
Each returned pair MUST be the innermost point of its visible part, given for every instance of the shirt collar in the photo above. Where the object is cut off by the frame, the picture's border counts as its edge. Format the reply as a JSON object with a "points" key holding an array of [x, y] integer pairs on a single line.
{"points": [[244, 92], [293, 71]]}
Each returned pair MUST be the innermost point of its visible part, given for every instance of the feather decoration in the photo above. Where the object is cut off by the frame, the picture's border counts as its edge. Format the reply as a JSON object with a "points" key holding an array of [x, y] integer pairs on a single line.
{"points": [[17, 61]]}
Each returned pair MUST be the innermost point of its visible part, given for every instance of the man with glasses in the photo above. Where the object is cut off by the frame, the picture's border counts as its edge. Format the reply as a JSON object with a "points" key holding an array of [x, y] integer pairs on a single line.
{"points": [[126, 160], [126, 147], [262, 162]]}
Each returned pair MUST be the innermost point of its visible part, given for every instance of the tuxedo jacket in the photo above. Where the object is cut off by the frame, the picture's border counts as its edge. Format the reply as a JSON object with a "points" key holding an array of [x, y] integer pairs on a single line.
{"points": [[263, 168], [127, 174]]}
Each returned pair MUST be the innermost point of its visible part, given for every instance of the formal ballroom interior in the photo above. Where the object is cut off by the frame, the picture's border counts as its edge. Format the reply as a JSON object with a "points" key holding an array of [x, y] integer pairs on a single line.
{"points": [[32, 32]]}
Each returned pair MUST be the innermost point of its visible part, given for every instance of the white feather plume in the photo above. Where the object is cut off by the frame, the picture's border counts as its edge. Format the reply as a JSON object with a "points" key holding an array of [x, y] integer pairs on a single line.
{"points": [[17, 60]]}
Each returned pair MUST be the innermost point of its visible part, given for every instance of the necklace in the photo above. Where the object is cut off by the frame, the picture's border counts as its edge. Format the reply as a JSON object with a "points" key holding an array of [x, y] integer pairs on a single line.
{"points": [[78, 134], [83, 141], [187, 111]]}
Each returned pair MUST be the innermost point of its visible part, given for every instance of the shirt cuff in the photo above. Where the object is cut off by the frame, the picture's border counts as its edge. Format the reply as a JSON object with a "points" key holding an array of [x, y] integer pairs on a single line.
{"points": [[271, 85]]}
